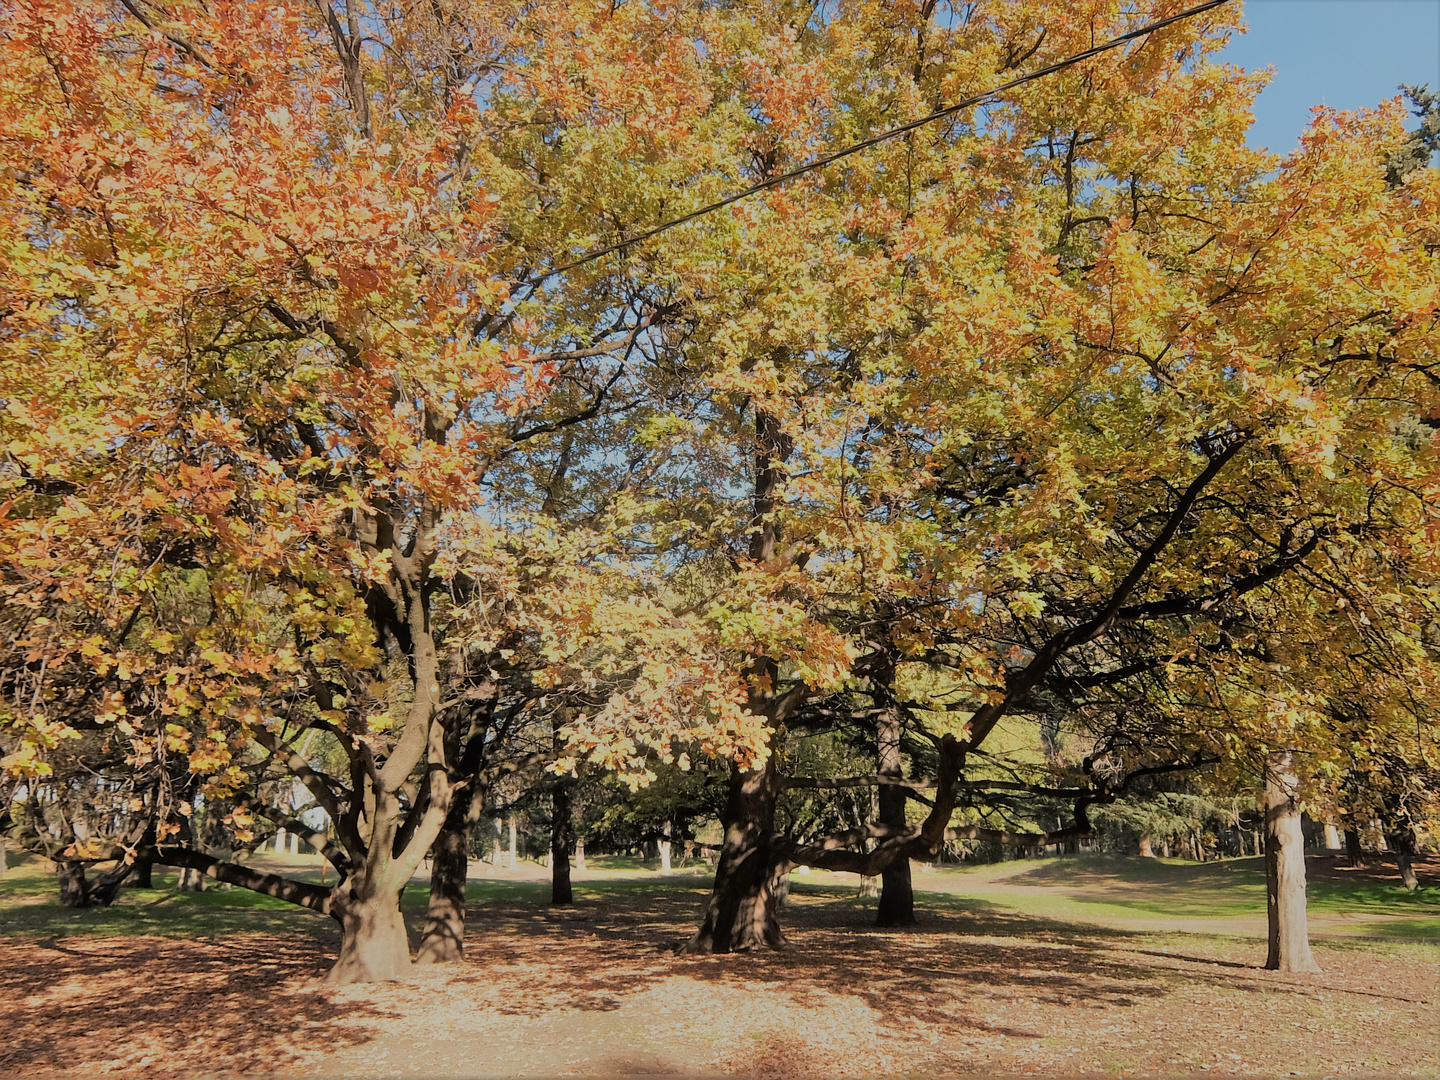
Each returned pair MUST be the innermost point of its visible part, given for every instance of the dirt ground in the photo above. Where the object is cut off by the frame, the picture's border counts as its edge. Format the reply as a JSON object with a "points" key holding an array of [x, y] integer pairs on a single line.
{"points": [[597, 991]]}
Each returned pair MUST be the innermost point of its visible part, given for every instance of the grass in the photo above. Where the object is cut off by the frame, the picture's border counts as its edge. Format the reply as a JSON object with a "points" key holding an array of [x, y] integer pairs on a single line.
{"points": [[1051, 896]]}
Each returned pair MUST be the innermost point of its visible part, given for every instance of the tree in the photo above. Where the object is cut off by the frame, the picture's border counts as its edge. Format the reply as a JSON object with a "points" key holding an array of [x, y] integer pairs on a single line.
{"points": [[258, 310]]}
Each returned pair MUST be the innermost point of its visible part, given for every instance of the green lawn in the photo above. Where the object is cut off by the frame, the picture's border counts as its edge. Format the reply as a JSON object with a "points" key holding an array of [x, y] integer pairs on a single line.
{"points": [[1050, 896]]}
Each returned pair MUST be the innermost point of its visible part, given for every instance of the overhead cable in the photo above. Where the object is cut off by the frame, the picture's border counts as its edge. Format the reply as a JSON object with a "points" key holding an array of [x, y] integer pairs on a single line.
{"points": [[884, 136]]}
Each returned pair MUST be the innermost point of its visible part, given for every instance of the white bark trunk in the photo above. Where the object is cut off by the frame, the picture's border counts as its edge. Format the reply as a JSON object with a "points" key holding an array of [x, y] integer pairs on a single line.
{"points": [[280, 842], [511, 854], [1332, 838]]}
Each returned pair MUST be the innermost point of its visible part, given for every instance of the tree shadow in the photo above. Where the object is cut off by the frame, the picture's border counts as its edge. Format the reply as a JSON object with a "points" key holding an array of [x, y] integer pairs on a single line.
{"points": [[246, 1003]]}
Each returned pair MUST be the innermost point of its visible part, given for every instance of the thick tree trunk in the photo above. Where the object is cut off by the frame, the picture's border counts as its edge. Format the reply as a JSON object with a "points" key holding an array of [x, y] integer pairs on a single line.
{"points": [[373, 945], [443, 939], [1289, 938], [1147, 852], [741, 913], [562, 894], [77, 892], [191, 880], [71, 877], [897, 895], [143, 875]]}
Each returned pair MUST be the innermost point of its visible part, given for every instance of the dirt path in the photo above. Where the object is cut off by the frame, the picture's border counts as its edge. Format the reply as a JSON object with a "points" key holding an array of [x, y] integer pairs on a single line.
{"points": [[592, 992]]}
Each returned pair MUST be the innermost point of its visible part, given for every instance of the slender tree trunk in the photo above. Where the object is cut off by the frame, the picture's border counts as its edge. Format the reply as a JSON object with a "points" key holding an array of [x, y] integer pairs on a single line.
{"points": [[580, 853], [741, 913], [897, 894], [443, 939], [510, 856], [3, 867], [1402, 844], [1354, 853], [562, 894], [1332, 837], [1289, 938], [664, 845]]}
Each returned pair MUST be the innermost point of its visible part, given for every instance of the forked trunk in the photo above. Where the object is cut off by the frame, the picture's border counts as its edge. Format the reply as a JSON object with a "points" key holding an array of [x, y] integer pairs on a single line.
{"points": [[741, 912], [443, 939], [1289, 938], [373, 945]]}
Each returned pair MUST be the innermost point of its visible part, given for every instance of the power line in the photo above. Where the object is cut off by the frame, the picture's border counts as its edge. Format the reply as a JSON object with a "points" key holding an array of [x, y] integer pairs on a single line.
{"points": [[884, 136]]}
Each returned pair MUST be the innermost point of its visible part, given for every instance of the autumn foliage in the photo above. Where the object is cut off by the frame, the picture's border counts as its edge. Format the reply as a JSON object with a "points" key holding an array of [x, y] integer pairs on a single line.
{"points": [[1072, 407]]}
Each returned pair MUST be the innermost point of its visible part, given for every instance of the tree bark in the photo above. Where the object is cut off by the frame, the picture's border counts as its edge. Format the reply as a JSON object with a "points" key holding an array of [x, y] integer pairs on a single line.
{"points": [[1402, 844], [562, 894], [1289, 940], [373, 946], [443, 939], [579, 853], [1354, 853], [510, 855], [142, 876], [897, 894], [663, 844], [1147, 852], [191, 880], [741, 913], [1332, 837]]}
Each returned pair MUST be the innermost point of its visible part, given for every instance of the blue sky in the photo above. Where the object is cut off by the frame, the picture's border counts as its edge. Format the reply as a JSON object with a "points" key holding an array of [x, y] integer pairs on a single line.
{"points": [[1342, 53]]}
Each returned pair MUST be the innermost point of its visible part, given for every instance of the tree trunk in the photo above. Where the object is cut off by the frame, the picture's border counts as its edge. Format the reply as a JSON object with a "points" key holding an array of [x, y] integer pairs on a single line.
{"points": [[3, 867], [143, 874], [191, 880], [279, 841], [562, 894], [897, 895], [443, 939], [1402, 843], [71, 876], [1146, 851], [1332, 837], [1354, 853], [373, 945], [579, 853], [510, 856], [664, 845], [741, 912], [1289, 938], [294, 843]]}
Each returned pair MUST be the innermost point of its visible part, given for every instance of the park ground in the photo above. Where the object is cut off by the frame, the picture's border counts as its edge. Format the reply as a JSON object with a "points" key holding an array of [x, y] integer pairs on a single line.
{"points": [[1063, 967]]}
